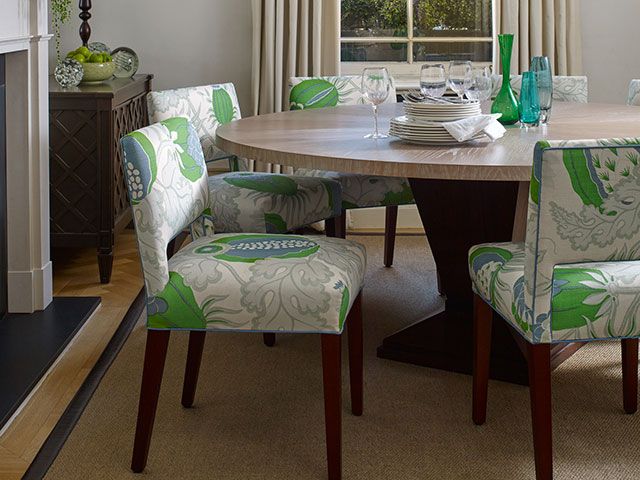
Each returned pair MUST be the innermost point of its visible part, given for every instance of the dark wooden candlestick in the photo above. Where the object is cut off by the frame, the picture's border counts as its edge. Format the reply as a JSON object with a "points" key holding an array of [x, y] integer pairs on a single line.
{"points": [[85, 29]]}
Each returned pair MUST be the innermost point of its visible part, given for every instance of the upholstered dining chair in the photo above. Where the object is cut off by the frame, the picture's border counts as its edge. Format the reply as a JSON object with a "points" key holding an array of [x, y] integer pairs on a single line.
{"points": [[232, 282], [358, 191], [243, 201], [634, 93], [565, 88], [574, 279]]}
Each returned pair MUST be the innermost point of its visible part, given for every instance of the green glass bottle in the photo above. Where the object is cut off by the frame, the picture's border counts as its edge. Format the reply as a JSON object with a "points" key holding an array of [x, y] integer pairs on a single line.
{"points": [[505, 102]]}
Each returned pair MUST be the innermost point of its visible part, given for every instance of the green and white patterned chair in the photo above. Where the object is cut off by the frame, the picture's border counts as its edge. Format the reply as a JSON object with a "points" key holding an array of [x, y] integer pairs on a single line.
{"points": [[358, 191], [575, 278], [565, 88], [232, 282], [634, 93], [243, 201]]}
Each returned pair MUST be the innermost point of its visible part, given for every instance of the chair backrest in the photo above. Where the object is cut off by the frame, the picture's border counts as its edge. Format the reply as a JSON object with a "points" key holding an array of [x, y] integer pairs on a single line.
{"points": [[168, 189], [317, 92], [634, 93], [207, 107], [565, 88], [584, 207]]}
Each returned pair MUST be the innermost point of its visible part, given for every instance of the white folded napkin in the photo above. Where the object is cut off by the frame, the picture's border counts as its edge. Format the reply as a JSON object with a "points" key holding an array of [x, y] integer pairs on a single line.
{"points": [[463, 130]]}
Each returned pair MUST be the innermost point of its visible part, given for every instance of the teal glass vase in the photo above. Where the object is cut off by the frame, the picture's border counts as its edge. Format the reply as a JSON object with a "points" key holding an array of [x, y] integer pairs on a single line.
{"points": [[505, 102]]}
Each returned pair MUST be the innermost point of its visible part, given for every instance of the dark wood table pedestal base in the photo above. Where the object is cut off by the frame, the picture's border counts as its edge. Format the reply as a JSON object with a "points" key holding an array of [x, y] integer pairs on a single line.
{"points": [[457, 215]]}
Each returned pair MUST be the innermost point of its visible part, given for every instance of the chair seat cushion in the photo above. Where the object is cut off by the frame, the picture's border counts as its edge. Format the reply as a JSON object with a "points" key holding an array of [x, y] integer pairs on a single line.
{"points": [[591, 300], [363, 191], [260, 282], [270, 202]]}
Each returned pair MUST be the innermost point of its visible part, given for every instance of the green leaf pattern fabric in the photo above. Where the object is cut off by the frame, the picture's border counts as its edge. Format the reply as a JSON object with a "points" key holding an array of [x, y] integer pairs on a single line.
{"points": [[243, 202], [256, 282], [261, 282], [268, 202], [565, 88], [358, 191], [578, 270], [207, 107]]}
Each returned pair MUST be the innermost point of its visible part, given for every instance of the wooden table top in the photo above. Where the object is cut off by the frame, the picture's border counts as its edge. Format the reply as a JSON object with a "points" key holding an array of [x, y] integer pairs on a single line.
{"points": [[332, 139]]}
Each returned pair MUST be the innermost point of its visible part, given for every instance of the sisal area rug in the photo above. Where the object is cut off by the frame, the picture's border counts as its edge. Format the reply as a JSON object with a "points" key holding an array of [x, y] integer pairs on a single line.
{"points": [[258, 412]]}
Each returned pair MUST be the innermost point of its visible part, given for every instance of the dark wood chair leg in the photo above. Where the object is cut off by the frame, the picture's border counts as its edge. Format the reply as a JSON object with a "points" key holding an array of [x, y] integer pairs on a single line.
{"points": [[331, 375], [630, 374], [354, 334], [482, 320], [269, 339], [154, 357], [390, 222], [341, 225], [539, 359], [330, 227], [191, 371]]}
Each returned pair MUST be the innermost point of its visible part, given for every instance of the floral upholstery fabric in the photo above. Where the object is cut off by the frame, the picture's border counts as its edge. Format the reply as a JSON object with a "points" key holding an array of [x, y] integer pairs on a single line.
{"points": [[358, 191], [268, 202], [634, 93], [565, 88], [576, 275], [264, 203], [257, 282]]}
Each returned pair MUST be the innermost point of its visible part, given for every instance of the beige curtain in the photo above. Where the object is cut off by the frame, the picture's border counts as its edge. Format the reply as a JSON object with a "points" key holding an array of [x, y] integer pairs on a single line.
{"points": [[291, 38], [541, 27]]}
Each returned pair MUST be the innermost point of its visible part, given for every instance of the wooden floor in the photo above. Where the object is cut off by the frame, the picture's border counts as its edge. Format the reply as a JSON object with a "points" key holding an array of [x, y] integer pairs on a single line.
{"points": [[75, 275]]}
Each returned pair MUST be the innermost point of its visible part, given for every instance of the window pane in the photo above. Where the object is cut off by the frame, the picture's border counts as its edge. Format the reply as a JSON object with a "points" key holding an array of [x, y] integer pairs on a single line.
{"points": [[446, 51], [452, 18], [373, 52], [374, 18]]}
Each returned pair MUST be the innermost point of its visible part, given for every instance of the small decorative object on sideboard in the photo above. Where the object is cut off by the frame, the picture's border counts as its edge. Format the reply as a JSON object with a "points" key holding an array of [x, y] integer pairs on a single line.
{"points": [[97, 66], [98, 47], [68, 73], [126, 62]]}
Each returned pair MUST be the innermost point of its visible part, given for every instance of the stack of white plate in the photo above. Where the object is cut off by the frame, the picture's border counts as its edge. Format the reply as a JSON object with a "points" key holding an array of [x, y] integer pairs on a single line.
{"points": [[423, 122], [441, 112], [426, 133]]}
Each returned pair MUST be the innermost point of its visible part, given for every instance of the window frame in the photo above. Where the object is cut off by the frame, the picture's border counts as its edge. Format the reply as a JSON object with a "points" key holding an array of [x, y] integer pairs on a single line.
{"points": [[408, 68]]}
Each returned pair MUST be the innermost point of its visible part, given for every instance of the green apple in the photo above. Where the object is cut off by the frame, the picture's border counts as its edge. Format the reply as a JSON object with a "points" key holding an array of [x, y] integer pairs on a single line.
{"points": [[71, 54], [95, 58], [79, 58], [106, 57], [84, 51]]}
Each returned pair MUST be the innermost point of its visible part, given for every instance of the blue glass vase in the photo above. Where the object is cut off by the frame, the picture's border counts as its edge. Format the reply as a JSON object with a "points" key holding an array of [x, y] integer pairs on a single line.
{"points": [[540, 66], [529, 107]]}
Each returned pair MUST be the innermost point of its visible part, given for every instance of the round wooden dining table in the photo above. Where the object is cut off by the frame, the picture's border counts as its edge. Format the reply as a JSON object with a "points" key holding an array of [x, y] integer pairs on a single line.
{"points": [[466, 194]]}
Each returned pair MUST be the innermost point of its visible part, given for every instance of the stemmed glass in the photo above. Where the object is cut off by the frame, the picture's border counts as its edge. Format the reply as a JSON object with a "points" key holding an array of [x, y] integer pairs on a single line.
{"points": [[460, 76], [375, 90], [540, 66], [433, 80], [480, 88]]}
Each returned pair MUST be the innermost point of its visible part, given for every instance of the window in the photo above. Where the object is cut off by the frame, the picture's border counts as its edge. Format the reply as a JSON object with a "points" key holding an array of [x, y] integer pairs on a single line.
{"points": [[403, 32]]}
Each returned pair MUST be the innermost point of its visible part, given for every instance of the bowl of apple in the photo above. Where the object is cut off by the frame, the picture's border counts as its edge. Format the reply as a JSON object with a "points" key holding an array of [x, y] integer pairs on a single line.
{"points": [[97, 66]]}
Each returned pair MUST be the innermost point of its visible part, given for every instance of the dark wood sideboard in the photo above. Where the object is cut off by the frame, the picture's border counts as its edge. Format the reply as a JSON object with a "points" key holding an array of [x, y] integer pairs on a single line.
{"points": [[88, 190]]}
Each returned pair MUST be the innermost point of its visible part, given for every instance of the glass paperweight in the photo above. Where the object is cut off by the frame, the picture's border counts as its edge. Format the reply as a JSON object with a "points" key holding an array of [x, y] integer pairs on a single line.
{"points": [[68, 73], [126, 62], [98, 47]]}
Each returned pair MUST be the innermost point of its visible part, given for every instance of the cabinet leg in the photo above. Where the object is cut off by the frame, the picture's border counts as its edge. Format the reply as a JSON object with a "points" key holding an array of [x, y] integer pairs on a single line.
{"points": [[105, 264]]}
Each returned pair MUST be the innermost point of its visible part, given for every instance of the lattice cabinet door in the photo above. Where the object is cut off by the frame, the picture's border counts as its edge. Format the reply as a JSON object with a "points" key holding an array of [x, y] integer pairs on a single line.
{"points": [[89, 201]]}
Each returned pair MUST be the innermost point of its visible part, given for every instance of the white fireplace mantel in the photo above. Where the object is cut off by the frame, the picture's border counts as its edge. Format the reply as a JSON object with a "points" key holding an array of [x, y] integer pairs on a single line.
{"points": [[24, 41]]}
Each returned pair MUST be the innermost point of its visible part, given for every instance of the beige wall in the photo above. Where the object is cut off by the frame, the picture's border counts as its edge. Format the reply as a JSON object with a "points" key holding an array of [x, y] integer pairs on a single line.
{"points": [[610, 39], [184, 43]]}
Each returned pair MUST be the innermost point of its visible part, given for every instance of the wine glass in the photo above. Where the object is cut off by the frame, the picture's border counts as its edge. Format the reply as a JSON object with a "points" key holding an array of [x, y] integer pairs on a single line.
{"points": [[460, 76], [480, 88], [433, 80], [540, 66], [375, 90]]}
